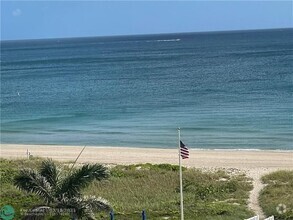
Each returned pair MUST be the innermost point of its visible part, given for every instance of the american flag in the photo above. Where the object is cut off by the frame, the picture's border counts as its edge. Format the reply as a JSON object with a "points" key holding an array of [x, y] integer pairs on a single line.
{"points": [[184, 152]]}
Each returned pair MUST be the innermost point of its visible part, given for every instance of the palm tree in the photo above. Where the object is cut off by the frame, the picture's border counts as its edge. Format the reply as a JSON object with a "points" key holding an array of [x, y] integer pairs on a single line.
{"points": [[62, 192]]}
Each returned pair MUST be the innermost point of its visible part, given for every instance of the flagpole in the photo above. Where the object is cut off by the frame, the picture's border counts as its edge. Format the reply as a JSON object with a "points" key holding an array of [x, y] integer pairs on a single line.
{"points": [[180, 175], [77, 158]]}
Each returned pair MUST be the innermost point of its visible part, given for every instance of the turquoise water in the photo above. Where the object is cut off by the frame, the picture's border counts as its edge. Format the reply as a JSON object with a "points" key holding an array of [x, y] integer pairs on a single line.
{"points": [[224, 89]]}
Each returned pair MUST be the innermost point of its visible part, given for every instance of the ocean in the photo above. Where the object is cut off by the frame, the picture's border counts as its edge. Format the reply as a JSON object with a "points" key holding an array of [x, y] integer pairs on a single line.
{"points": [[225, 90]]}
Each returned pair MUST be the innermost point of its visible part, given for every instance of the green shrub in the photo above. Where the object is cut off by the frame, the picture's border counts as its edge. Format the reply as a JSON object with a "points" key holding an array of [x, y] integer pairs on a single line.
{"points": [[277, 195]]}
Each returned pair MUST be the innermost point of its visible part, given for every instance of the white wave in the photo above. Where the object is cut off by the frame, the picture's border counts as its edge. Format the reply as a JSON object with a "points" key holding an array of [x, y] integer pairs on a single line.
{"points": [[167, 40]]}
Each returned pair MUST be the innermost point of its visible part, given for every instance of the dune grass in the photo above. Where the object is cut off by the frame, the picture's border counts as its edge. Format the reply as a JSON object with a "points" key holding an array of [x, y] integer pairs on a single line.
{"points": [[154, 188], [9, 194], [277, 196]]}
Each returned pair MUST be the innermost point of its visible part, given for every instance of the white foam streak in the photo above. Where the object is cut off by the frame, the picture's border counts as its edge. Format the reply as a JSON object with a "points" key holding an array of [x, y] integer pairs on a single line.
{"points": [[168, 40]]}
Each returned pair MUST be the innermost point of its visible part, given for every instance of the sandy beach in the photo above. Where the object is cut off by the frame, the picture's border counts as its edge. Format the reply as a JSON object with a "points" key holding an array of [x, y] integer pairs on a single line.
{"points": [[241, 159]]}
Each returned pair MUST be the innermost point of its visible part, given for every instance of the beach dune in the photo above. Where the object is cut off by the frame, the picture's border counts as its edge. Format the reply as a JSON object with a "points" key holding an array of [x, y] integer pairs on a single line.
{"points": [[254, 163]]}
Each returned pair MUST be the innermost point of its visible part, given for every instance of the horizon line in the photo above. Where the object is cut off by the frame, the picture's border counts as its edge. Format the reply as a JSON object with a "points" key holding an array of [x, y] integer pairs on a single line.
{"points": [[147, 34]]}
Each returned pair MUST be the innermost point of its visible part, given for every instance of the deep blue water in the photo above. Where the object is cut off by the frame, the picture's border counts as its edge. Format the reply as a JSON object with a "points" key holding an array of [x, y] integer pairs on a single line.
{"points": [[224, 89]]}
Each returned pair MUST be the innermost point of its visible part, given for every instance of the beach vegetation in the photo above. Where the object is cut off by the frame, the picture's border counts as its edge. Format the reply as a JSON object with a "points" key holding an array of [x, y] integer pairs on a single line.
{"points": [[277, 196], [155, 188], [59, 192], [208, 194]]}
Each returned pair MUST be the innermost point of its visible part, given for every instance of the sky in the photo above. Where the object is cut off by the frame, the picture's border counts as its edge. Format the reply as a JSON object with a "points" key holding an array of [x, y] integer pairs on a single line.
{"points": [[62, 19]]}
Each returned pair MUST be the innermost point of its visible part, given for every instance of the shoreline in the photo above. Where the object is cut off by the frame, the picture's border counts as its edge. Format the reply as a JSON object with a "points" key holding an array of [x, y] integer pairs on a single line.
{"points": [[153, 147], [199, 158]]}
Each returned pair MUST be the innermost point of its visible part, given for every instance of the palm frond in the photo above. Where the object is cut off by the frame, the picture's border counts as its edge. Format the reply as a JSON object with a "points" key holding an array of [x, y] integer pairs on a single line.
{"points": [[97, 203], [63, 192], [80, 207], [50, 171], [31, 181], [85, 206], [80, 178]]}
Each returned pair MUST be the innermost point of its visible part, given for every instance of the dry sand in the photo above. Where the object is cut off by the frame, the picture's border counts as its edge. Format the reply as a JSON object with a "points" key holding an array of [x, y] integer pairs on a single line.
{"points": [[253, 163], [241, 159]]}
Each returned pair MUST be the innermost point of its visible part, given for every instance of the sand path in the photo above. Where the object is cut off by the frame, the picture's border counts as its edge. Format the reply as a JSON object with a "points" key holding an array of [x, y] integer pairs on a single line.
{"points": [[253, 202]]}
